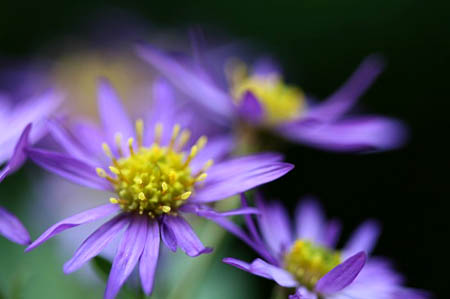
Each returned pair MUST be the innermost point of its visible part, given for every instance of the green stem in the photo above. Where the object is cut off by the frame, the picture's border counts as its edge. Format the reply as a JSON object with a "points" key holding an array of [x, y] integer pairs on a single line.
{"points": [[279, 292]]}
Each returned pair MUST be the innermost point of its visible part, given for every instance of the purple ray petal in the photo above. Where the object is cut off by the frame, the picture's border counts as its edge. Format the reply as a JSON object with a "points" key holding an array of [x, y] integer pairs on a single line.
{"points": [[130, 250], [310, 221], [275, 226], [95, 243], [19, 156], [149, 258], [266, 66], [90, 137], [303, 293], [250, 108], [236, 182], [357, 134], [331, 233], [363, 239], [75, 220], [216, 149], [112, 113], [206, 94], [70, 168], [186, 238], [250, 223], [346, 96], [342, 275], [167, 235], [263, 269], [206, 211], [12, 229]]}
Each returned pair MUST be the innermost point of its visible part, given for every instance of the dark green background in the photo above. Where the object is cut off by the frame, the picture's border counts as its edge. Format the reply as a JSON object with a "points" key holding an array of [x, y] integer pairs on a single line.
{"points": [[319, 43]]}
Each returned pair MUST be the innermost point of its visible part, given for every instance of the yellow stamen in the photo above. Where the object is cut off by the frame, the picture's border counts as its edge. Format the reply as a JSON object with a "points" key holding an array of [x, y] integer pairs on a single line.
{"points": [[158, 133], [130, 145], [184, 138], [140, 132], [175, 132], [118, 140]]}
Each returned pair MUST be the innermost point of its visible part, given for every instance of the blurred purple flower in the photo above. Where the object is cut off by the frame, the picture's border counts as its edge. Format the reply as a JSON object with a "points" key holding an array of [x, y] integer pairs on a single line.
{"points": [[155, 183], [260, 98], [15, 125], [307, 259]]}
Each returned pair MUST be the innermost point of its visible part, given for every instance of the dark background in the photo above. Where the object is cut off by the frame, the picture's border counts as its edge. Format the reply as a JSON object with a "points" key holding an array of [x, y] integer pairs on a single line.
{"points": [[319, 43]]}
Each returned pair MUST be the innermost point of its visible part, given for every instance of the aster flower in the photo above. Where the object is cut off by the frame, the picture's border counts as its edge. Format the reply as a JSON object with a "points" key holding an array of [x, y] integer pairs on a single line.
{"points": [[15, 125], [306, 259], [154, 179], [257, 97]]}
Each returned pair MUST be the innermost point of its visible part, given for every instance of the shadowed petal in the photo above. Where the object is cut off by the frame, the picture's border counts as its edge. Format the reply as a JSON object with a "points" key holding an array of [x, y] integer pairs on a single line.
{"points": [[274, 225], [363, 239], [75, 220], [12, 229], [19, 156], [303, 293], [206, 94], [309, 220], [130, 249], [95, 243], [70, 168], [243, 180], [263, 269], [168, 236], [149, 258], [357, 134], [250, 108], [186, 238], [112, 113], [341, 275]]}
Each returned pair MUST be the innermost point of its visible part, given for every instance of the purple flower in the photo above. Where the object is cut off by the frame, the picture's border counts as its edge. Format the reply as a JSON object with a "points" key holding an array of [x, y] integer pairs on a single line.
{"points": [[306, 258], [15, 125], [155, 181], [260, 98]]}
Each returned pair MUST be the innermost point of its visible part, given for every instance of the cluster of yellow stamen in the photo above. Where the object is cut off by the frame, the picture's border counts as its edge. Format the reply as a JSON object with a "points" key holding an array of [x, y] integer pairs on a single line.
{"points": [[309, 262], [281, 102], [156, 179]]}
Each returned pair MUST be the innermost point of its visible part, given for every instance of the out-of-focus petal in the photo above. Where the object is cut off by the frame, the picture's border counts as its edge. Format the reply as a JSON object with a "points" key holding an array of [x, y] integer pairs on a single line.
{"points": [[75, 220], [303, 293], [186, 238], [95, 243], [309, 220], [90, 136], [331, 233], [70, 168], [112, 113], [130, 250], [263, 269], [275, 226], [19, 155], [363, 239], [206, 94], [12, 229], [342, 275], [358, 134], [206, 211], [250, 108], [345, 97], [216, 149], [149, 258]]}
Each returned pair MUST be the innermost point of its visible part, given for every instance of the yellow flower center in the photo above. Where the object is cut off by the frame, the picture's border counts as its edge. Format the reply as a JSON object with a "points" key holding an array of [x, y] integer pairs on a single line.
{"points": [[154, 180], [309, 262], [281, 102]]}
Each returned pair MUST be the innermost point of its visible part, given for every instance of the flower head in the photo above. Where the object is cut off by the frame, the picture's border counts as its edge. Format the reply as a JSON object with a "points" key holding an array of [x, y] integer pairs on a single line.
{"points": [[156, 176], [16, 120], [258, 96], [308, 260]]}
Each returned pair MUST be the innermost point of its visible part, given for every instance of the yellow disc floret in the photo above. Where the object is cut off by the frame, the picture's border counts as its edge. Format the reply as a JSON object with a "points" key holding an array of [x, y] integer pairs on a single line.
{"points": [[281, 102], [309, 262], [157, 179]]}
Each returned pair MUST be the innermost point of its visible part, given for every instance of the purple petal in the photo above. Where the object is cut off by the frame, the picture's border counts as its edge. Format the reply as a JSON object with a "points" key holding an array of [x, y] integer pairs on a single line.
{"points": [[250, 108], [216, 149], [90, 137], [70, 168], [206, 211], [81, 218], [112, 113], [186, 238], [358, 134], [363, 239], [303, 293], [266, 66], [168, 236], [149, 258], [249, 222], [129, 251], [263, 269], [310, 221], [206, 94], [275, 226], [12, 229], [346, 96], [95, 243], [331, 234], [341, 275], [19, 156]]}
